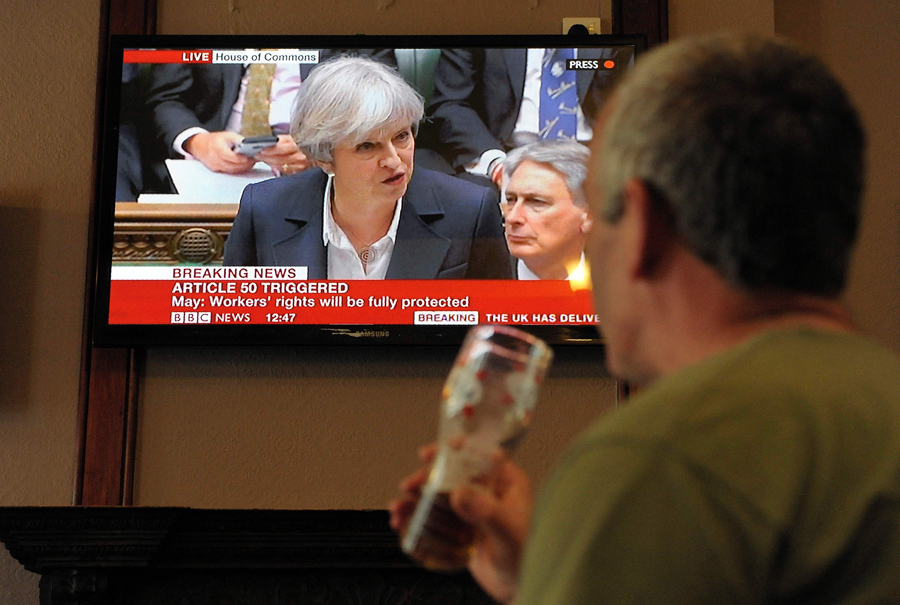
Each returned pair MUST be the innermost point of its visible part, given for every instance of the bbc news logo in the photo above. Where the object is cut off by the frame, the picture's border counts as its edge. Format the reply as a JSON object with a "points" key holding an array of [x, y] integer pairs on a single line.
{"points": [[191, 317]]}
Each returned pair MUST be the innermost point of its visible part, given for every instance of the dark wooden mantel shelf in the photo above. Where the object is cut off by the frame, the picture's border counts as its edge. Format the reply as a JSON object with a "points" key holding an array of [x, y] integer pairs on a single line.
{"points": [[183, 556]]}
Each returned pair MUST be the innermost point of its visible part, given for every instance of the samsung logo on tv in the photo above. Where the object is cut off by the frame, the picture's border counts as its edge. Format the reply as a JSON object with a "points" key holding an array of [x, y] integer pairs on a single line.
{"points": [[360, 333]]}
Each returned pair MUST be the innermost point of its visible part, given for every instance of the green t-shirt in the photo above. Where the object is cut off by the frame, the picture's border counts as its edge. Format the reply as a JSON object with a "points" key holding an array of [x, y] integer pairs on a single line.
{"points": [[766, 474]]}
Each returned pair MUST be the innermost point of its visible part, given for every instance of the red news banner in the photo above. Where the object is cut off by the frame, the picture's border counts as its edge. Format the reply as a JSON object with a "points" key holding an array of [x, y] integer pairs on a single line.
{"points": [[291, 55], [283, 295]]}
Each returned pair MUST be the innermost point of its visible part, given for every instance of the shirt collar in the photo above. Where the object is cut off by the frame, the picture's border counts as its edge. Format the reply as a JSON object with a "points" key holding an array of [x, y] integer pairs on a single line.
{"points": [[577, 273], [332, 232], [523, 272]]}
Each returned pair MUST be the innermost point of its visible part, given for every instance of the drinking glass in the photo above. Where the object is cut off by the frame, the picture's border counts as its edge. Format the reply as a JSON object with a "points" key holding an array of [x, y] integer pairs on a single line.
{"points": [[487, 403]]}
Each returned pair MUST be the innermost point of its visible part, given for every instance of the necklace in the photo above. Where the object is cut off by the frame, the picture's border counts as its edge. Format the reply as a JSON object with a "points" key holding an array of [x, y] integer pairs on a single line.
{"points": [[367, 253]]}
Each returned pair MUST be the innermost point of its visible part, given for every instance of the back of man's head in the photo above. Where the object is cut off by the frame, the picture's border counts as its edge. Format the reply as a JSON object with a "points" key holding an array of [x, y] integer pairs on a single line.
{"points": [[754, 149]]}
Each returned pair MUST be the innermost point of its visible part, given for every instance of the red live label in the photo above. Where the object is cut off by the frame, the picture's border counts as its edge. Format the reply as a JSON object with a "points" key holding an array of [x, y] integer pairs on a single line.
{"points": [[167, 56]]}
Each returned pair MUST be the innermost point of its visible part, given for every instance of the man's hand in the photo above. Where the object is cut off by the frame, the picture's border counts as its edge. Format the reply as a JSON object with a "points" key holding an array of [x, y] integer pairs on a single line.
{"points": [[284, 156], [216, 151], [499, 508]]}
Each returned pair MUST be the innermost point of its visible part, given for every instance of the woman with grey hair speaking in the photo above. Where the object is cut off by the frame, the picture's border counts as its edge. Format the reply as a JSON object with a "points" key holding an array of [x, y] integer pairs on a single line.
{"points": [[364, 213]]}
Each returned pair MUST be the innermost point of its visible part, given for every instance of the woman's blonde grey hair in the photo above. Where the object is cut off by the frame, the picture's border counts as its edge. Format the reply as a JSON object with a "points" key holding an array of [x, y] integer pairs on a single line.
{"points": [[753, 150], [345, 99], [567, 157]]}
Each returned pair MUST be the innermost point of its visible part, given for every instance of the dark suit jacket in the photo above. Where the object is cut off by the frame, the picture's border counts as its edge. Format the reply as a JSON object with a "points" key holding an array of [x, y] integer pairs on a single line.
{"points": [[448, 229], [478, 92], [185, 96]]}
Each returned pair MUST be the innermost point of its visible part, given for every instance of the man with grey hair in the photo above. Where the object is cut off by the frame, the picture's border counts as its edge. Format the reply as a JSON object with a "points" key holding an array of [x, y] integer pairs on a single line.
{"points": [[544, 211], [762, 463]]}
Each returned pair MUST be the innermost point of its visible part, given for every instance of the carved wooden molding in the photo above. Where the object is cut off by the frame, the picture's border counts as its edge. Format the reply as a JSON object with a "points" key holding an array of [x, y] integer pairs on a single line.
{"points": [[168, 234], [149, 556]]}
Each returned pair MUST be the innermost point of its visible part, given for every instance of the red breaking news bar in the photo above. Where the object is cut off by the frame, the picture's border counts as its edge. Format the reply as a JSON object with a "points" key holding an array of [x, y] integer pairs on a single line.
{"points": [[383, 302]]}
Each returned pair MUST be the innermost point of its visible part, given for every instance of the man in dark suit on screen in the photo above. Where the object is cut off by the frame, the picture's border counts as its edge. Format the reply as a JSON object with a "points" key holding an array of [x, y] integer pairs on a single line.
{"points": [[488, 101]]}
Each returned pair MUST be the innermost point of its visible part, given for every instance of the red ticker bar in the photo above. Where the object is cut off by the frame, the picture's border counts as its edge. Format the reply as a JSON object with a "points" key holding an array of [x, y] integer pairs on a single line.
{"points": [[168, 56], [231, 299]]}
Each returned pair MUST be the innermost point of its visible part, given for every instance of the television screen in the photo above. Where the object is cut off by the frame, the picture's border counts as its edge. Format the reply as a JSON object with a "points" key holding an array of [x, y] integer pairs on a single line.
{"points": [[309, 189]]}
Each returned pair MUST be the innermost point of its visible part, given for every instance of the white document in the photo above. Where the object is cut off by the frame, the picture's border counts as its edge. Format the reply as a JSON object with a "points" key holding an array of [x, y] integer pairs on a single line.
{"points": [[197, 184]]}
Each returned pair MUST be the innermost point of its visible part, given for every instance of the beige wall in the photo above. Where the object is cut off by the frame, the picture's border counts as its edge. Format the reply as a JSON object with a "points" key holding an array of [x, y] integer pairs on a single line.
{"points": [[47, 76], [286, 427], [691, 17], [315, 429], [860, 41], [369, 16]]}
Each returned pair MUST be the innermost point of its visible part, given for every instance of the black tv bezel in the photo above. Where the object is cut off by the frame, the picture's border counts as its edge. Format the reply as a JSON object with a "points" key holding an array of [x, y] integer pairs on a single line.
{"points": [[105, 334]]}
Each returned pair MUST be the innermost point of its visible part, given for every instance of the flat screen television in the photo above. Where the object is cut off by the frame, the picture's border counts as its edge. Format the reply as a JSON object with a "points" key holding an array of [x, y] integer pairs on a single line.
{"points": [[173, 181]]}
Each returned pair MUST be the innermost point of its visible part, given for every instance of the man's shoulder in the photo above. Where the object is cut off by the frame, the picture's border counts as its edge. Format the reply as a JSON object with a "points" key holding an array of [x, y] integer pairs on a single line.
{"points": [[779, 436], [759, 422], [791, 377], [779, 359], [821, 365]]}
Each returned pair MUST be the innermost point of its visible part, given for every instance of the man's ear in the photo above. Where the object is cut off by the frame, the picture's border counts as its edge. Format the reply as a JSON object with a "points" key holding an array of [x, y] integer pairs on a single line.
{"points": [[651, 234]]}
